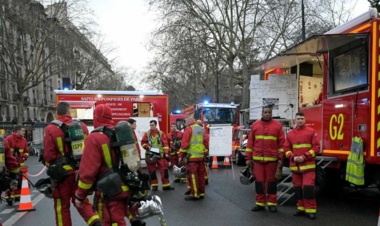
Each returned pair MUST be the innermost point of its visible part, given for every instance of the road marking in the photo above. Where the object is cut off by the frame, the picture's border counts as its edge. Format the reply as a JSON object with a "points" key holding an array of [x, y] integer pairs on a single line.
{"points": [[6, 211], [12, 220]]}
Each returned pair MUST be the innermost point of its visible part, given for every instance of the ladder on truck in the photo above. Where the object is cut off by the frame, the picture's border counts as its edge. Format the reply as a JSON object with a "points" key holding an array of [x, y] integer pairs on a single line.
{"points": [[285, 187]]}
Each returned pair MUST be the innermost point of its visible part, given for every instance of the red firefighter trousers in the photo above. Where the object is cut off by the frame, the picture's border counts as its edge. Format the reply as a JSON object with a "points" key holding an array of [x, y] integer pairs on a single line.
{"points": [[304, 186], [63, 193], [266, 184], [162, 165], [196, 175]]}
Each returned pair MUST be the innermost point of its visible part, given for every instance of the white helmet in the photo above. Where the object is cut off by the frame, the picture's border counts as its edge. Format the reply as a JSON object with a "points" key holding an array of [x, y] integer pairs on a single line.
{"points": [[179, 171]]}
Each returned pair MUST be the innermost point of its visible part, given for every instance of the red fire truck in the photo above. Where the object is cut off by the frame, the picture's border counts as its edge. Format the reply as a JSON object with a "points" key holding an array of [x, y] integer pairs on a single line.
{"points": [[216, 114], [124, 104], [346, 60]]}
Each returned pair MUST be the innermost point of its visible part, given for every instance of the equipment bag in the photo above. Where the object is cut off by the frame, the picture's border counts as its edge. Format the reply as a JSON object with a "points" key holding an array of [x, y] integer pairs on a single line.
{"points": [[56, 171], [110, 184]]}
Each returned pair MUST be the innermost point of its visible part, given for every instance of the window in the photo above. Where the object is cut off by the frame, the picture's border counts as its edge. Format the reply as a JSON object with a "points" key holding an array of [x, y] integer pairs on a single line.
{"points": [[349, 67]]}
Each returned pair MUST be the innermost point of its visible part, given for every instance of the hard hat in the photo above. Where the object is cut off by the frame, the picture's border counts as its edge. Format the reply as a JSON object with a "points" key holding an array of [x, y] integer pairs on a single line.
{"points": [[179, 171], [246, 176], [244, 144], [150, 207], [44, 186]]}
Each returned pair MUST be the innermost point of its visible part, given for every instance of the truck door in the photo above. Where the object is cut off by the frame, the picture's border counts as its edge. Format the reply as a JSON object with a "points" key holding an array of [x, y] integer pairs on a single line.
{"points": [[337, 124]]}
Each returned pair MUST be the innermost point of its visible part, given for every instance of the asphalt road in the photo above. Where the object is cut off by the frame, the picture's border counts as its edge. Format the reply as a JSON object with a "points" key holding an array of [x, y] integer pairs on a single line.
{"points": [[227, 203]]}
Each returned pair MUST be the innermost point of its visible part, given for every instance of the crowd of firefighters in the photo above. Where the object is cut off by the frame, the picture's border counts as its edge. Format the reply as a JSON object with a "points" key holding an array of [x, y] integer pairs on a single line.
{"points": [[106, 163]]}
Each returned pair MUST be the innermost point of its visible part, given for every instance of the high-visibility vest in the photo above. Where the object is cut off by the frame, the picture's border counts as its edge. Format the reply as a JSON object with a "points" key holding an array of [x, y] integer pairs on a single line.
{"points": [[355, 162], [196, 147]]}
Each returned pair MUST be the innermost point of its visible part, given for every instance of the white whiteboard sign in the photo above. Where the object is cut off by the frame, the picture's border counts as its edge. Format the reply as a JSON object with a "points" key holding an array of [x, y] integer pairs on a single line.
{"points": [[279, 90], [220, 141]]}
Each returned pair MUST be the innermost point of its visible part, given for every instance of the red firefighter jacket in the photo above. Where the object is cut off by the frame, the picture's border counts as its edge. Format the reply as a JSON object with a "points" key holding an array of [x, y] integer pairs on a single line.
{"points": [[54, 138], [174, 137], [154, 134], [186, 138], [10, 161], [15, 141], [302, 142], [265, 141], [97, 159]]}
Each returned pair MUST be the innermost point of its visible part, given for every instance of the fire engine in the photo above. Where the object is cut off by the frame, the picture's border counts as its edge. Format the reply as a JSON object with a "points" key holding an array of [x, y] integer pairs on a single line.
{"points": [[338, 78], [124, 104], [140, 105], [217, 114]]}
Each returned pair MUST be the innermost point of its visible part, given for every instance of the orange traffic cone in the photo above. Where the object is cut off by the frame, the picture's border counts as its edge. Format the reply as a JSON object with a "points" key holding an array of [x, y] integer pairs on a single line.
{"points": [[226, 161], [214, 163], [25, 200]]}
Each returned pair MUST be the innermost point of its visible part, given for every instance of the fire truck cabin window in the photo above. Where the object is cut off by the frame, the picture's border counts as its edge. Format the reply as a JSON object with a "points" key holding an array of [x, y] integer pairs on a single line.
{"points": [[350, 68]]}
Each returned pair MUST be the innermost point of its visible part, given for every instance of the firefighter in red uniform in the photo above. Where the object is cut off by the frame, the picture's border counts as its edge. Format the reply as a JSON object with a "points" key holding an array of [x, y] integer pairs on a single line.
{"points": [[192, 153], [155, 143], [8, 163], [301, 146], [265, 148], [174, 138], [98, 166], [63, 169], [18, 146]]}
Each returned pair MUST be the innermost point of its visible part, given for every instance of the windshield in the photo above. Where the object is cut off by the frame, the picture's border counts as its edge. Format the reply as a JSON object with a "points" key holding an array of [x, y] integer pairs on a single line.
{"points": [[215, 115]]}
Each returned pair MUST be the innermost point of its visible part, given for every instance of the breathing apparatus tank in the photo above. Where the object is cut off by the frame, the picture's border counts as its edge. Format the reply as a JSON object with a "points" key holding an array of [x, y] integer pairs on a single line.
{"points": [[76, 136], [127, 145]]}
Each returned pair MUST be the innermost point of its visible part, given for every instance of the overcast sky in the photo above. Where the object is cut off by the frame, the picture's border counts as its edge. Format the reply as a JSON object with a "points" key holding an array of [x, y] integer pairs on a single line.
{"points": [[127, 23]]}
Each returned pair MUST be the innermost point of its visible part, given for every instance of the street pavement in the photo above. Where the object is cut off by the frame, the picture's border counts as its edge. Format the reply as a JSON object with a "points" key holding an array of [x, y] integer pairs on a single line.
{"points": [[227, 203]]}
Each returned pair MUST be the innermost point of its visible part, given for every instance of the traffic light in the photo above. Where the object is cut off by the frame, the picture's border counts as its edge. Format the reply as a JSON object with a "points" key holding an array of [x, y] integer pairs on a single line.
{"points": [[66, 85]]}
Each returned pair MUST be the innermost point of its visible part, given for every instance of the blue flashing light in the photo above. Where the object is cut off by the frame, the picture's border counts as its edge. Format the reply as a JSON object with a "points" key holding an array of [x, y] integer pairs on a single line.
{"points": [[176, 112], [65, 88], [205, 102]]}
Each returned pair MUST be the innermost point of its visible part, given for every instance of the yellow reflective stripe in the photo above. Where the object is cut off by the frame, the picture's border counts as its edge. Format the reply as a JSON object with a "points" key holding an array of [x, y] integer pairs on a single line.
{"points": [[22, 164], [301, 208], [20, 150], [92, 219], [312, 153], [114, 224], [263, 137], [248, 150], [312, 166], [288, 153], [67, 167], [58, 210], [280, 150], [271, 204], [194, 183], [261, 158], [301, 146], [60, 145], [310, 210], [15, 170], [124, 188], [107, 155], [83, 185]]}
